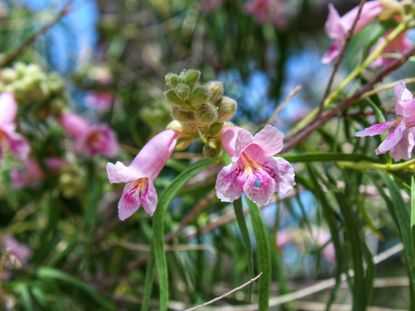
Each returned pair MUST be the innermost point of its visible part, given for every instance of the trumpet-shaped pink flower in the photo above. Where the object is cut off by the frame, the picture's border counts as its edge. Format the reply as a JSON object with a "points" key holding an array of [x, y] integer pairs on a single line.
{"points": [[141, 173], [254, 170], [401, 138], [90, 139], [9, 138], [400, 44], [101, 101], [338, 27], [26, 176]]}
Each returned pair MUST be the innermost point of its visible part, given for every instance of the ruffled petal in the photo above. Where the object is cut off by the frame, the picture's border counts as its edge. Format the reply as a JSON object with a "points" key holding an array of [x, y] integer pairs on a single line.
{"points": [[403, 149], [402, 95], [270, 140], [153, 156], [149, 198], [229, 183], [375, 129], [259, 187], [393, 138], [282, 172], [129, 202], [119, 173], [8, 108]]}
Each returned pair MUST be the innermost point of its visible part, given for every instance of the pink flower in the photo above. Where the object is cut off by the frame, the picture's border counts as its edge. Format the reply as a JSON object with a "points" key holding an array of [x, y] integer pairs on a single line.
{"points": [[26, 176], [400, 140], [101, 101], [90, 139], [21, 251], [54, 163], [210, 5], [400, 44], [254, 170], [9, 138], [141, 173], [268, 11], [337, 27]]}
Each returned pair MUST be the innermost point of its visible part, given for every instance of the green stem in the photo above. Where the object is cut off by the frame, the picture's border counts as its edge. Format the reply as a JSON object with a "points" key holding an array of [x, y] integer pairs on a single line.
{"points": [[367, 166]]}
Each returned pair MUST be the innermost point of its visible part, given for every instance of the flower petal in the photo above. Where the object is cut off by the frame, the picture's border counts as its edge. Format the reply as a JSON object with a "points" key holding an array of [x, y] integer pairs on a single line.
{"points": [[149, 198], [282, 172], [393, 138], [17, 144], [259, 187], [375, 129], [8, 108], [334, 26], [333, 52], [402, 95], [403, 149], [129, 202], [74, 124], [118, 173], [153, 156], [229, 183], [269, 139]]}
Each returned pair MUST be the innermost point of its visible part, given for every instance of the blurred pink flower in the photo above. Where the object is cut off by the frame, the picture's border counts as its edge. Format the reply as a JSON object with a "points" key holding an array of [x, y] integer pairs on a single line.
{"points": [[254, 170], [21, 251], [400, 45], [268, 11], [401, 138], [141, 173], [90, 139], [101, 101], [210, 5], [337, 27], [54, 163], [26, 176], [9, 138]]}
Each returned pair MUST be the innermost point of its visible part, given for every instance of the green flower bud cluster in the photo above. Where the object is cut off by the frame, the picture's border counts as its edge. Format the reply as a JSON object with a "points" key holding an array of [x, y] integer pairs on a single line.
{"points": [[71, 180], [199, 110], [31, 85]]}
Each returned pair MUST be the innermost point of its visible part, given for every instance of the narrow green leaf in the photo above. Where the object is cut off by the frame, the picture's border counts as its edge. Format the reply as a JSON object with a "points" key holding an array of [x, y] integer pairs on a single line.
{"points": [[413, 210], [263, 255], [240, 218], [158, 226], [326, 157], [148, 283]]}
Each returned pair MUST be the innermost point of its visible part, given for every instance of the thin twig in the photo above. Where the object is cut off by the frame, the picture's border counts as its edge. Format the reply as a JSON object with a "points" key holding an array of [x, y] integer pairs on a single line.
{"points": [[340, 57], [324, 118], [226, 294], [387, 86], [276, 112], [9, 58]]}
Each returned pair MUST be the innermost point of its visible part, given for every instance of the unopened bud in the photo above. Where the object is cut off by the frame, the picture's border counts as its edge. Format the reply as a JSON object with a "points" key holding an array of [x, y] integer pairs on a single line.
{"points": [[172, 80], [190, 128], [215, 128], [8, 75], [226, 108], [183, 143], [199, 96], [175, 126], [181, 115], [183, 91], [207, 113], [191, 77], [211, 149], [215, 91], [173, 98]]}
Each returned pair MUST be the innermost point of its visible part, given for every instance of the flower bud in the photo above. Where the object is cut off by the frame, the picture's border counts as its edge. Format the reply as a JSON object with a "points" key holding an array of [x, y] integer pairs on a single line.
{"points": [[211, 149], [191, 77], [199, 96], [175, 126], [181, 115], [215, 91], [215, 128], [173, 98], [8, 75], [207, 113], [190, 128], [183, 143], [226, 108], [183, 91], [172, 80]]}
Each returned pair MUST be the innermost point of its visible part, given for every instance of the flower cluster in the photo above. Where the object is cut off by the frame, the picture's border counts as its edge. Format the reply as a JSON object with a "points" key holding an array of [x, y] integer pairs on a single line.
{"points": [[201, 111], [338, 27]]}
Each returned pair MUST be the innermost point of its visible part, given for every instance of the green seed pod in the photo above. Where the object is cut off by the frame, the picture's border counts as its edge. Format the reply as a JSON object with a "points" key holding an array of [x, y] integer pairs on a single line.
{"points": [[199, 96], [191, 77], [181, 115], [173, 98], [183, 143], [8, 75], [215, 128], [183, 91], [215, 91], [172, 80], [226, 108], [211, 149], [207, 113]]}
